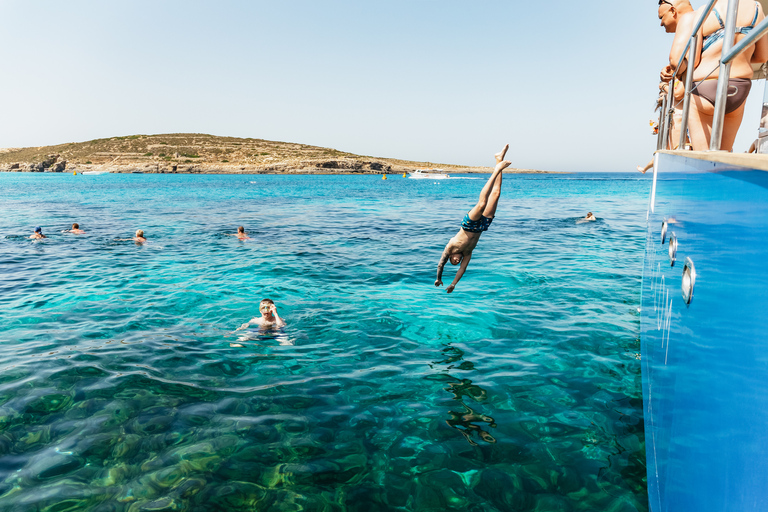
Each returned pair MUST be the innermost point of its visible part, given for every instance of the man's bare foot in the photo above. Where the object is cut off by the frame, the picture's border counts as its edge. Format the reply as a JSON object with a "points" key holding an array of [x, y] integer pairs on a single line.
{"points": [[236, 345], [500, 155], [642, 169], [503, 164]]}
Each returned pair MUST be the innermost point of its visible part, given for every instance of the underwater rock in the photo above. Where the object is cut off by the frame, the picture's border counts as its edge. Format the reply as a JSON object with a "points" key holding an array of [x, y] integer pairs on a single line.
{"points": [[98, 446], [447, 486], [165, 478], [115, 475], [294, 426], [85, 408], [189, 487], [256, 431], [553, 503], [151, 422], [165, 504], [568, 480], [51, 463], [504, 490], [48, 404], [156, 463], [34, 439], [311, 473], [225, 445], [621, 505], [6, 444], [238, 495], [365, 498], [126, 446], [117, 413]]}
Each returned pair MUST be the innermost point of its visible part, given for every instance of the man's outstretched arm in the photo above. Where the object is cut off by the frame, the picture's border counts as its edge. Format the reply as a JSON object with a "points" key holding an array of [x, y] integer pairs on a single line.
{"points": [[441, 264], [459, 273]]}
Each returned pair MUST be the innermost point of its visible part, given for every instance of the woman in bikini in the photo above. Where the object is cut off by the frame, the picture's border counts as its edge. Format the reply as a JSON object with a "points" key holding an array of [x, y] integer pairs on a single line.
{"points": [[707, 67]]}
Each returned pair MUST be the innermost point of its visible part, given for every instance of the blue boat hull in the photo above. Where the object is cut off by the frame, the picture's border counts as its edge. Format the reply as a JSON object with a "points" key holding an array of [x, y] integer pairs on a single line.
{"points": [[705, 365]]}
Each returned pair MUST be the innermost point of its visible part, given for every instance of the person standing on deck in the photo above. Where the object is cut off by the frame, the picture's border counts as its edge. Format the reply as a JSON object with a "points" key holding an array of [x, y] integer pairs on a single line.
{"points": [[477, 220], [679, 17]]}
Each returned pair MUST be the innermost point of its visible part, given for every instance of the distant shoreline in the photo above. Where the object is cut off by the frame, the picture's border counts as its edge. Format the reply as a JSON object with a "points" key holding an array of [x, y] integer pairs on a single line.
{"points": [[192, 153]]}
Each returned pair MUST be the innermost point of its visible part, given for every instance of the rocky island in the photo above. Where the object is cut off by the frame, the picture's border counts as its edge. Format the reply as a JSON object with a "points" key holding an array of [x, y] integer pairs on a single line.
{"points": [[207, 154]]}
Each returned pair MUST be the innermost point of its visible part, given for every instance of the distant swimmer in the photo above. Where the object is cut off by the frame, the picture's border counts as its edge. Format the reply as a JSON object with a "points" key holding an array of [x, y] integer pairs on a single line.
{"points": [[139, 238], [269, 318], [477, 220], [590, 216], [241, 234], [37, 234], [75, 229]]}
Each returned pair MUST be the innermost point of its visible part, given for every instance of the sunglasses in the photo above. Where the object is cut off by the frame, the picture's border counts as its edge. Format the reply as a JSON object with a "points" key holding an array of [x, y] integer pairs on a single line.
{"points": [[661, 2]]}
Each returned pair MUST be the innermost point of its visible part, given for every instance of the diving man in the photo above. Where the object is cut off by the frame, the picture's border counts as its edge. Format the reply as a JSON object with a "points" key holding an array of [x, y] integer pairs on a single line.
{"points": [[477, 220]]}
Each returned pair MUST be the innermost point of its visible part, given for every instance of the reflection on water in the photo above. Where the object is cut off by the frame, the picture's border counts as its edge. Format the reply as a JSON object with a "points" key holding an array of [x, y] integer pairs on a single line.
{"points": [[466, 421], [119, 390]]}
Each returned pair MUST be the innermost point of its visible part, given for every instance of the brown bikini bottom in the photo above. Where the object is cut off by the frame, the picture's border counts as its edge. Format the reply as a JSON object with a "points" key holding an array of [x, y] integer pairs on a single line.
{"points": [[738, 90]]}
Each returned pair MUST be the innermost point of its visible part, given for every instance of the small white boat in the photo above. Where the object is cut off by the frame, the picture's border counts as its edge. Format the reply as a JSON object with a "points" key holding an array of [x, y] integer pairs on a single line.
{"points": [[92, 173], [428, 174]]}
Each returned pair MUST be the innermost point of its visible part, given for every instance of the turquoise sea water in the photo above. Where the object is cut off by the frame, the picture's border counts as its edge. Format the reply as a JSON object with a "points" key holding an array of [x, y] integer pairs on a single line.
{"points": [[120, 391]]}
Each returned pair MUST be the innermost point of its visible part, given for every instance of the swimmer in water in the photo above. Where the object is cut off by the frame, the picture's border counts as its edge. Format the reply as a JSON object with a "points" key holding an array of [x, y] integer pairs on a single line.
{"points": [[75, 229], [269, 318], [590, 216], [38, 234], [241, 235], [460, 247], [139, 238]]}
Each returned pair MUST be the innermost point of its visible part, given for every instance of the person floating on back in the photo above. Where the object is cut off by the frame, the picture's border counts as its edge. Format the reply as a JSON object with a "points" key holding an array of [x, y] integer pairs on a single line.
{"points": [[269, 318], [38, 234], [477, 220], [241, 234], [75, 229]]}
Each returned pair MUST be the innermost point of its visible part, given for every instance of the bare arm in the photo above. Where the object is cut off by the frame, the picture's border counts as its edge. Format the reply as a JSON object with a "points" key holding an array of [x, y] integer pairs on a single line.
{"points": [[459, 273], [279, 322], [441, 264], [760, 54], [682, 35], [246, 325]]}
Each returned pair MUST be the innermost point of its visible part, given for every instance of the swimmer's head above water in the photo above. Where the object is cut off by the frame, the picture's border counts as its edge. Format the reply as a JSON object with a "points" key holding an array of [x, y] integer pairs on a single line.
{"points": [[266, 306], [139, 233], [38, 229], [241, 229]]}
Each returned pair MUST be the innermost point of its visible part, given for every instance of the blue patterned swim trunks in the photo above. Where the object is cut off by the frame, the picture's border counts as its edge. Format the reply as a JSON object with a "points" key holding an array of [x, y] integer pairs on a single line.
{"points": [[476, 226]]}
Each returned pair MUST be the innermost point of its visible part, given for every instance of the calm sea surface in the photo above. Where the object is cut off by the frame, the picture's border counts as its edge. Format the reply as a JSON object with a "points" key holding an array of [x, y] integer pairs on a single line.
{"points": [[119, 389]]}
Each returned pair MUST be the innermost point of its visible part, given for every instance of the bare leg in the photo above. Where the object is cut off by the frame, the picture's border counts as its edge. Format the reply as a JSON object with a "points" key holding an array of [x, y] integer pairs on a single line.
{"points": [[477, 211], [482, 203], [493, 199], [700, 123], [500, 155], [731, 128]]}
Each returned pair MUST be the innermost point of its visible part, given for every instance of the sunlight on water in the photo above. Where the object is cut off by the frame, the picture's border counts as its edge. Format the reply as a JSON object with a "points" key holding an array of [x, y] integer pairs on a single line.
{"points": [[120, 391]]}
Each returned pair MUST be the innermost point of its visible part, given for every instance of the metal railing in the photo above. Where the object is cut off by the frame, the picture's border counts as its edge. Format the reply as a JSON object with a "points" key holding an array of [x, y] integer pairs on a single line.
{"points": [[729, 52]]}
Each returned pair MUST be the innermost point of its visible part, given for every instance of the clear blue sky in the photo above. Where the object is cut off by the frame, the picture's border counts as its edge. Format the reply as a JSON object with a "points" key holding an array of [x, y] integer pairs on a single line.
{"points": [[570, 85]]}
